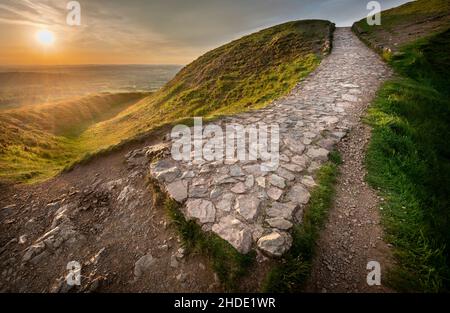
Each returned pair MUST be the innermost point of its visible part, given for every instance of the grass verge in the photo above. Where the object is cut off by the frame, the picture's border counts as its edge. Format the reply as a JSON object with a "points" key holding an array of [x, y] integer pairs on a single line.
{"points": [[227, 262], [294, 269], [404, 24], [408, 159]]}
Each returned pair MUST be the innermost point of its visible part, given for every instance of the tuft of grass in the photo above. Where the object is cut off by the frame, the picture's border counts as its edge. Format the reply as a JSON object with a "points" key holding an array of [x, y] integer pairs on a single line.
{"points": [[408, 159], [294, 269], [227, 262]]}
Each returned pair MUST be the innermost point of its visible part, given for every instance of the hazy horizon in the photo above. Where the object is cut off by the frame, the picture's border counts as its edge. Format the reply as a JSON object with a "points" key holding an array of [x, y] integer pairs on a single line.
{"points": [[87, 64], [29, 85]]}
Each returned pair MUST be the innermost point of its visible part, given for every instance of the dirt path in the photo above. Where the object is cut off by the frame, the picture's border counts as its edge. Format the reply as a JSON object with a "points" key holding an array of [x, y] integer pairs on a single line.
{"points": [[352, 235]]}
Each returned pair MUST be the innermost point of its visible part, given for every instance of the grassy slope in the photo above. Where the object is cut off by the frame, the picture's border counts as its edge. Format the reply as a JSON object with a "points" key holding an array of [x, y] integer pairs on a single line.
{"points": [[405, 24], [36, 142], [409, 156], [245, 74], [70, 118]]}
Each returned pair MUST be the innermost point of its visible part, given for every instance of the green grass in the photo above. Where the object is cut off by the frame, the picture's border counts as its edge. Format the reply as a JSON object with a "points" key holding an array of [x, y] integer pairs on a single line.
{"points": [[294, 269], [404, 24], [37, 142], [408, 159], [242, 75], [226, 261]]}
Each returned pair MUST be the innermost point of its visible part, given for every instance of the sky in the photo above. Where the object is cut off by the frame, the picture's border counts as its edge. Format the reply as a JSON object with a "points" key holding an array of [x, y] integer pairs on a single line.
{"points": [[151, 31]]}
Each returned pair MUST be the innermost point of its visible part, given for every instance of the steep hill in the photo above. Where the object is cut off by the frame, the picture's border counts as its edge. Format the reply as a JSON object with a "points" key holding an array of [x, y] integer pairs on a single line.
{"points": [[245, 74]]}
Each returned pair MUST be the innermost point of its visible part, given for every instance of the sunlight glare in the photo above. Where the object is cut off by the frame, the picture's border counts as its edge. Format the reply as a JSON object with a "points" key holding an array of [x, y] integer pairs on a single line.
{"points": [[45, 37]]}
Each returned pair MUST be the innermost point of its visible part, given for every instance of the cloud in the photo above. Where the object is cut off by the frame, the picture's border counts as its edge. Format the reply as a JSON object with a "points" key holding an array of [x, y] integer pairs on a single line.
{"points": [[28, 11]]}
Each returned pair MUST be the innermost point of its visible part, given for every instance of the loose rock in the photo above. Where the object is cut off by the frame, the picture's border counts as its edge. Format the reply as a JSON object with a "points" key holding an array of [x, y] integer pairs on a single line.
{"points": [[143, 265], [275, 244]]}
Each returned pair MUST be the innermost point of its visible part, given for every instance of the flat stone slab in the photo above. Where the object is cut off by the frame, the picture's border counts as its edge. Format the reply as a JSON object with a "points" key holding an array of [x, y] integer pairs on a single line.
{"points": [[251, 204], [298, 194], [201, 210], [178, 190], [235, 232], [248, 206], [279, 222]]}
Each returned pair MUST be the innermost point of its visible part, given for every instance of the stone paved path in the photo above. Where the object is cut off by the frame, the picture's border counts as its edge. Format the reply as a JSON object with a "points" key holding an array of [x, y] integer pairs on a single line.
{"points": [[252, 208]]}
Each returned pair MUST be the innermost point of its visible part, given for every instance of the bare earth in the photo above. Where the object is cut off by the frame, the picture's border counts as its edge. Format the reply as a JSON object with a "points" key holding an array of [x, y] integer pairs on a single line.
{"points": [[101, 214], [352, 236]]}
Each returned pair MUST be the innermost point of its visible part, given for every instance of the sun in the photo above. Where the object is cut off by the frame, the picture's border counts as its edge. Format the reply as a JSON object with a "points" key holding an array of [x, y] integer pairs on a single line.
{"points": [[45, 37]]}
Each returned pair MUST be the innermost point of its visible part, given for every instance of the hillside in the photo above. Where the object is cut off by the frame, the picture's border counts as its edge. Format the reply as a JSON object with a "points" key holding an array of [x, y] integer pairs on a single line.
{"points": [[38, 141], [67, 118], [404, 24], [409, 157], [245, 74]]}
